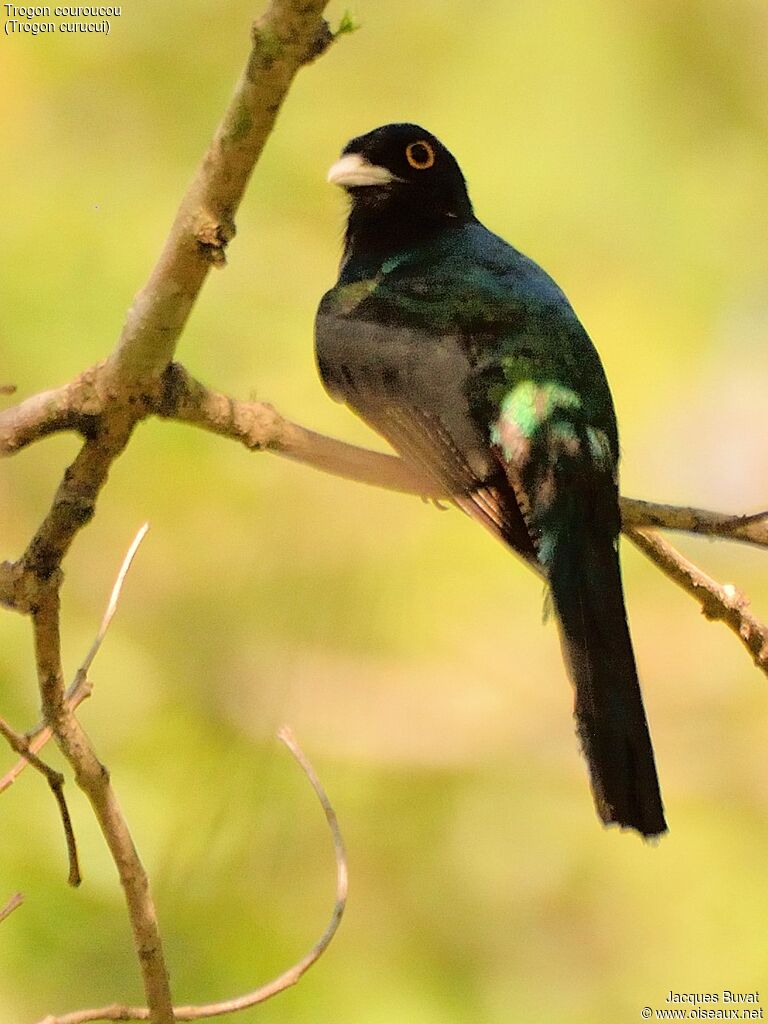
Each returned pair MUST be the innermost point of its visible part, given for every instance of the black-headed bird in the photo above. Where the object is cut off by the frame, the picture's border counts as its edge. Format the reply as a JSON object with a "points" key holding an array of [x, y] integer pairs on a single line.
{"points": [[468, 358]]}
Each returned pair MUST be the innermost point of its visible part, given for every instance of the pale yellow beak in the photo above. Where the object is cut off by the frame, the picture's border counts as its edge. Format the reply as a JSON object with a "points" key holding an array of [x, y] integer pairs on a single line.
{"points": [[354, 170]]}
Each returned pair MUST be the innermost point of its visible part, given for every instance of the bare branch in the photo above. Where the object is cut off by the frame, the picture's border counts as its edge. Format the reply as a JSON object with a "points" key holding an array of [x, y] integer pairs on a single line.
{"points": [[80, 688], [15, 901], [718, 601], [107, 402], [260, 427], [290, 34], [39, 736], [74, 406], [93, 778], [751, 529], [56, 782], [73, 507], [283, 981]]}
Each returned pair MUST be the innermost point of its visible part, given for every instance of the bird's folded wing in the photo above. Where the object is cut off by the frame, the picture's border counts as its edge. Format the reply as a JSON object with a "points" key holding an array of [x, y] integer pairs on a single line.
{"points": [[422, 439]]}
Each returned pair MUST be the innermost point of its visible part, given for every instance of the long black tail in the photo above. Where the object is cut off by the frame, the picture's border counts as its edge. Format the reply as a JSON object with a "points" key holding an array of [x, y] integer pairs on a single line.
{"points": [[585, 579]]}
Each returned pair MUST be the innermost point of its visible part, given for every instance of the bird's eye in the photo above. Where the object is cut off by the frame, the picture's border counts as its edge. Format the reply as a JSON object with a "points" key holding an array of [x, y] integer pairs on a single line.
{"points": [[420, 155]]}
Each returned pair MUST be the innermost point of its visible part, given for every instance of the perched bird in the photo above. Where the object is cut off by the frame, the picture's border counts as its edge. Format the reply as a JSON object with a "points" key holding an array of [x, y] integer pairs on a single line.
{"points": [[467, 357]]}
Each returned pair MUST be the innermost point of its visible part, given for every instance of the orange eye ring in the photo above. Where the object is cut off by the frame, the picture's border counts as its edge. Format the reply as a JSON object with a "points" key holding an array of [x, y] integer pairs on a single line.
{"points": [[420, 155]]}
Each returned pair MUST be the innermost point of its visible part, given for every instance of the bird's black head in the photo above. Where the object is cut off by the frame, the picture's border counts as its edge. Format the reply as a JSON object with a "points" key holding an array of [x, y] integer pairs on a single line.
{"points": [[404, 187]]}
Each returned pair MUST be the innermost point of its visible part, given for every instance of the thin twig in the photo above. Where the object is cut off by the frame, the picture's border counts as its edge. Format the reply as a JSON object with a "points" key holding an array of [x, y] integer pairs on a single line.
{"points": [[41, 734], [284, 980], [56, 782], [15, 901], [718, 601], [114, 597], [80, 688]]}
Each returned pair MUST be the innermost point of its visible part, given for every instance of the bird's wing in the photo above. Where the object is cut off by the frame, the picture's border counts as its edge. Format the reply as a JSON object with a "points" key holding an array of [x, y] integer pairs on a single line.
{"points": [[423, 439]]}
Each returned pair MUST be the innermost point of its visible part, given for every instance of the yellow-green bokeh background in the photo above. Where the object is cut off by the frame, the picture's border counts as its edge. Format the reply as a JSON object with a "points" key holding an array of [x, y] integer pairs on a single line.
{"points": [[622, 144]]}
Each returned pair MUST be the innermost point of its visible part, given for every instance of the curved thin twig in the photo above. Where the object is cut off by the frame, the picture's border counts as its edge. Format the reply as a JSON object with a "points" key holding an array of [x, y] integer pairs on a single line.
{"points": [[284, 980]]}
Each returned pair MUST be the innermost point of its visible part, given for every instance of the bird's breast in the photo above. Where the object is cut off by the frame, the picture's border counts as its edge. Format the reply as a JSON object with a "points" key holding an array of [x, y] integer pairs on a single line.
{"points": [[401, 378]]}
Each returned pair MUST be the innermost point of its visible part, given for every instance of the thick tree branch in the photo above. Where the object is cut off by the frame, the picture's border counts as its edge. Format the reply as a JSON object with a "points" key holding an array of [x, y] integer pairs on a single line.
{"points": [[106, 402], [291, 33], [284, 980]]}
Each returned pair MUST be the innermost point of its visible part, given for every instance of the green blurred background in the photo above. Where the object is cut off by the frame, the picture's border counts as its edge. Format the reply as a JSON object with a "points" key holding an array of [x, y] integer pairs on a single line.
{"points": [[623, 145]]}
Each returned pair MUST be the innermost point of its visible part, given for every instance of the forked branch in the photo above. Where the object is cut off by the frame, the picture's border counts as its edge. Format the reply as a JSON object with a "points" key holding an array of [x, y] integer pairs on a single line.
{"points": [[56, 782], [80, 688]]}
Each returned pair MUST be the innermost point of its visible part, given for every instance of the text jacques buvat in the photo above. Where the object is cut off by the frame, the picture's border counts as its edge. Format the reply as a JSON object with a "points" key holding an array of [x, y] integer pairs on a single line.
{"points": [[33, 21]]}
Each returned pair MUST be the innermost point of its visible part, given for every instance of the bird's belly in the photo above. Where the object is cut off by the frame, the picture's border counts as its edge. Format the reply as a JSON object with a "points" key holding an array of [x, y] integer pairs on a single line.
{"points": [[402, 380]]}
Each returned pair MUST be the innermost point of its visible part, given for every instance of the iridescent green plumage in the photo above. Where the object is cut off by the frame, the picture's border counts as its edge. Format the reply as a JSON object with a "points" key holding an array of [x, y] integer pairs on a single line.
{"points": [[469, 359]]}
